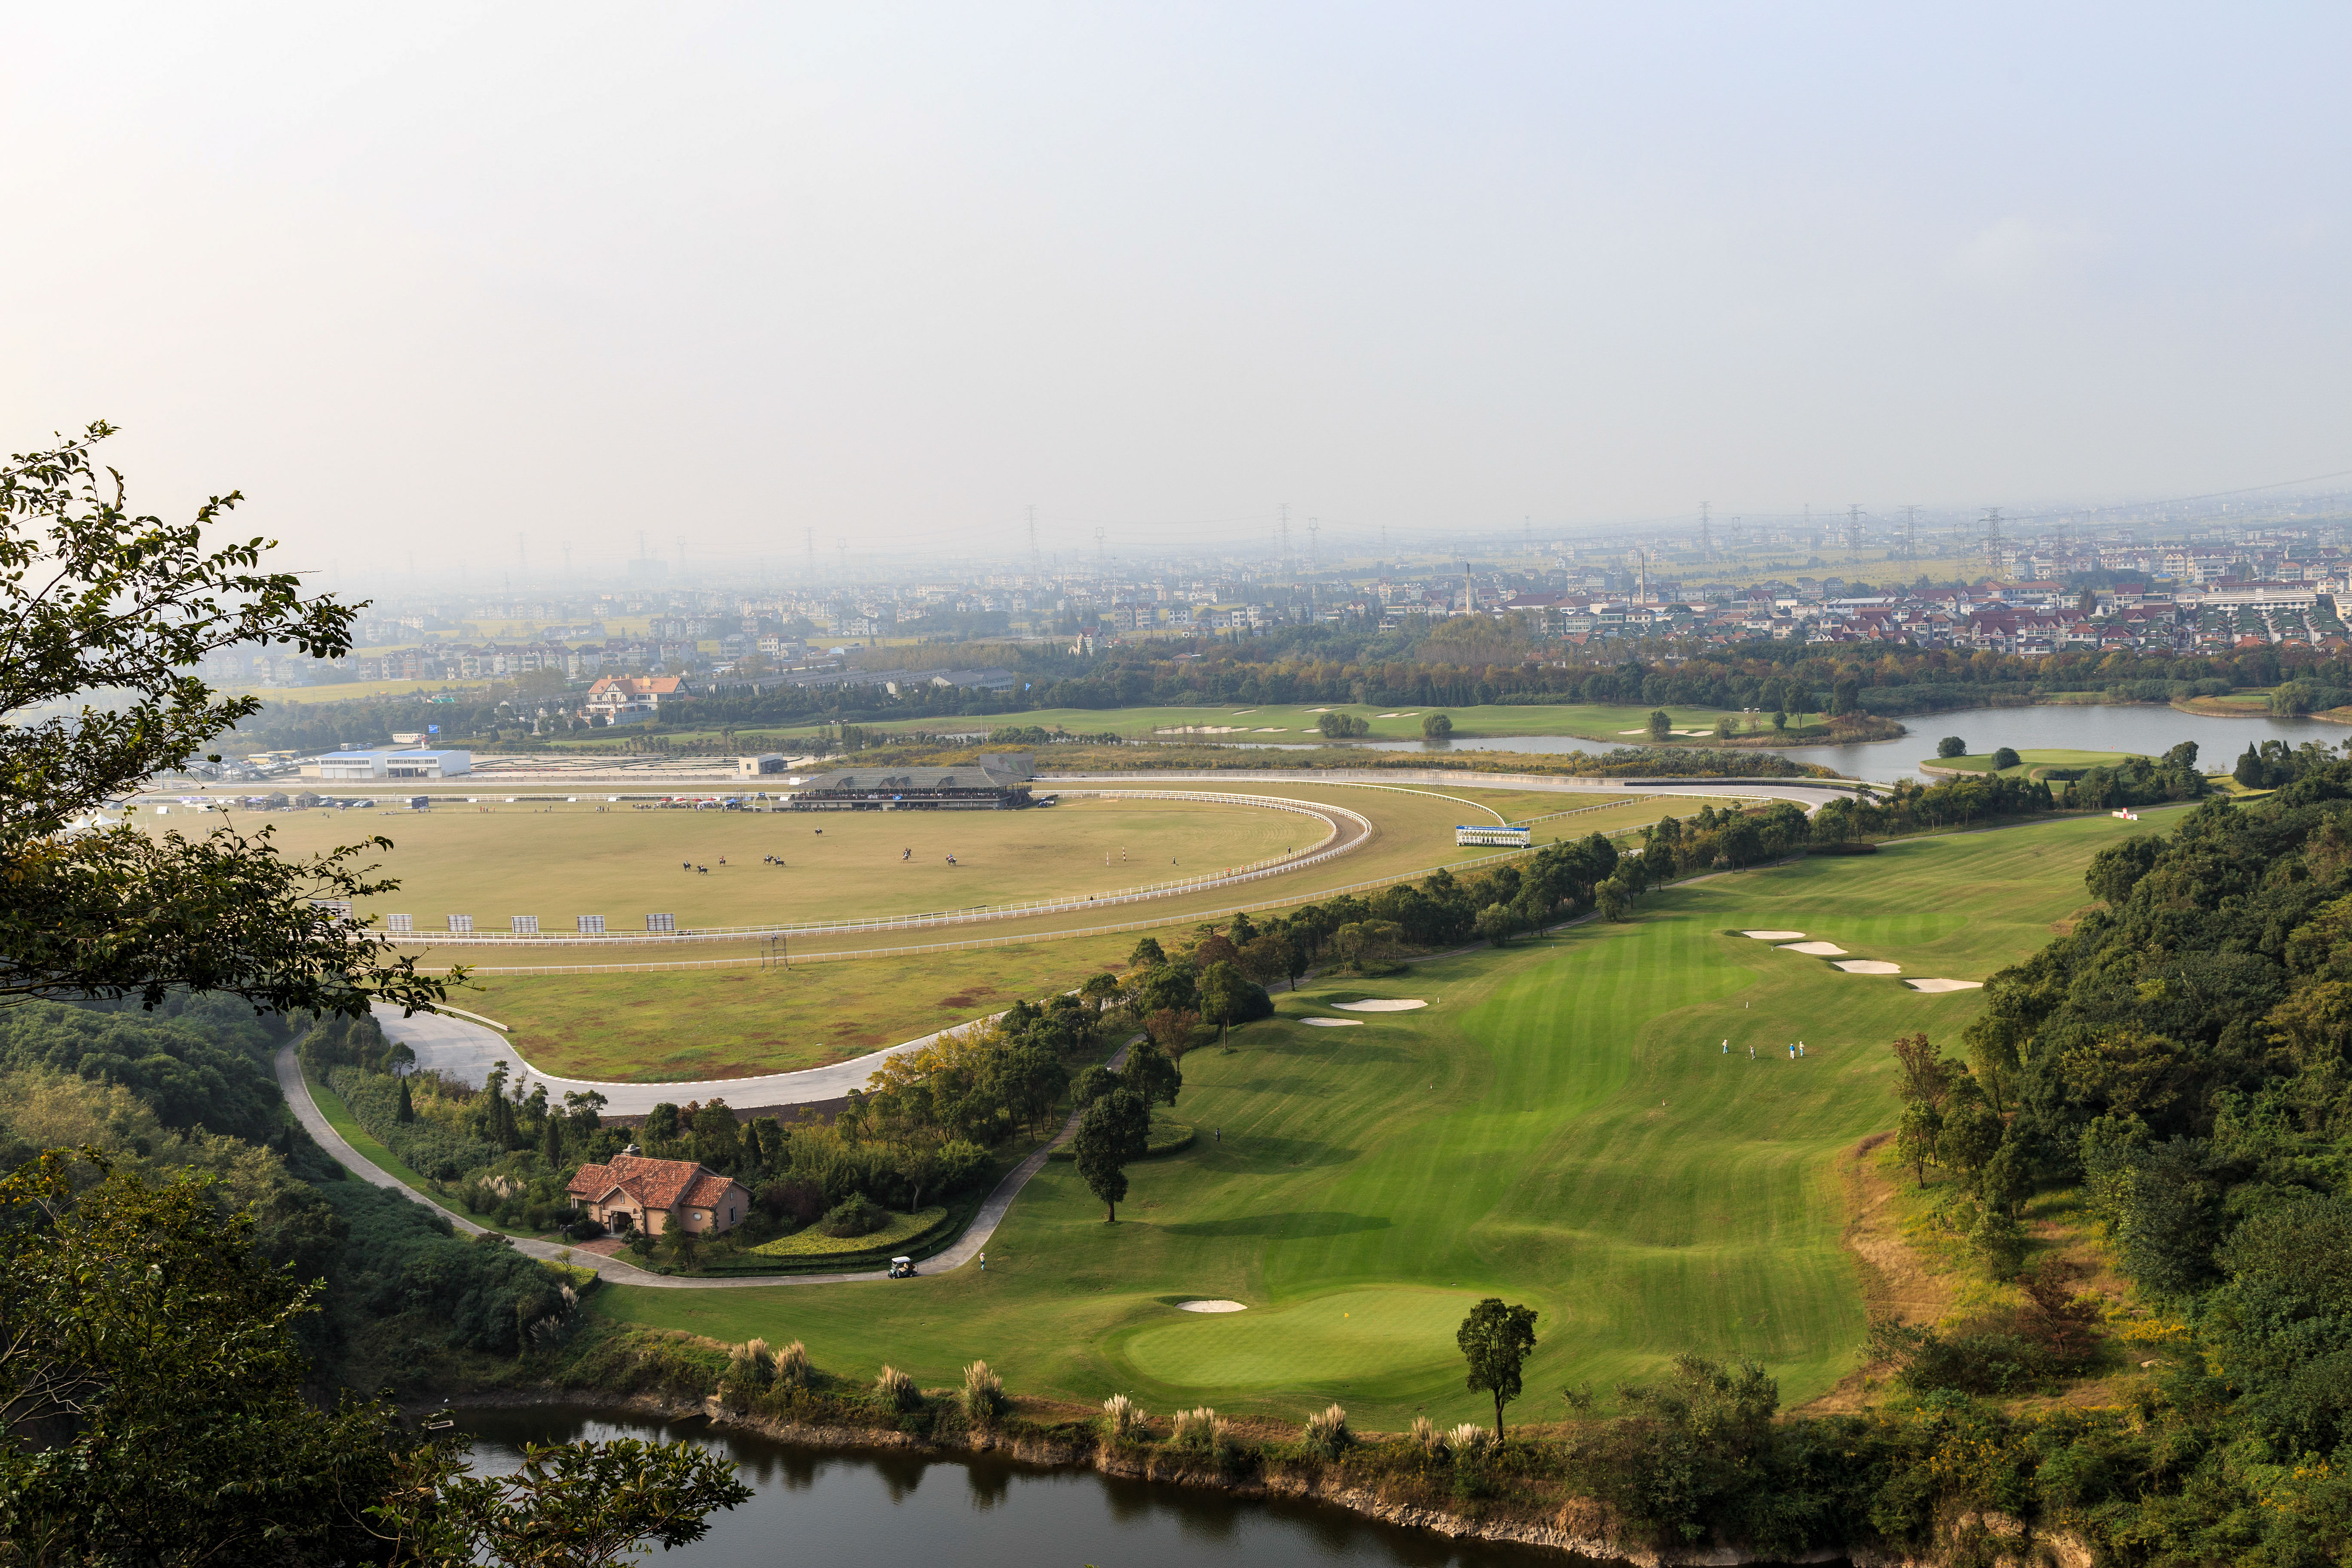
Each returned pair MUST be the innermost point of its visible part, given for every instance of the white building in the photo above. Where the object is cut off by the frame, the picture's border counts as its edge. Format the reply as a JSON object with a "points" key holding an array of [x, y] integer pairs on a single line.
{"points": [[418, 763]]}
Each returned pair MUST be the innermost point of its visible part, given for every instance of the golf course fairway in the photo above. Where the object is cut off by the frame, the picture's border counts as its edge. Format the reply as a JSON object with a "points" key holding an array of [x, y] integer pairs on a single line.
{"points": [[1562, 1126]]}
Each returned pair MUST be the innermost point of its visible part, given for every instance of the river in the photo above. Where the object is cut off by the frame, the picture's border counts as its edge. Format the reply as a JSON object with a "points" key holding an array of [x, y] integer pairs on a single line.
{"points": [[2143, 727], [811, 1505]]}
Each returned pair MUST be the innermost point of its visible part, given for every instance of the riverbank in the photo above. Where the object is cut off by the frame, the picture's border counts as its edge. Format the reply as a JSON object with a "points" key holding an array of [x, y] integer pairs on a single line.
{"points": [[1385, 1479]]}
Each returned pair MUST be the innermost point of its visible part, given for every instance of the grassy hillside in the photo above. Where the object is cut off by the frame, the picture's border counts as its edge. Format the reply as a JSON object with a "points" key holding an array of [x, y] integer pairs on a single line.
{"points": [[1561, 1126]]}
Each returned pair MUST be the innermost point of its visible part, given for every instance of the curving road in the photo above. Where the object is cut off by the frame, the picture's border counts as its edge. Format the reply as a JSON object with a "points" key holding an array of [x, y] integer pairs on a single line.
{"points": [[464, 1051], [620, 1272]]}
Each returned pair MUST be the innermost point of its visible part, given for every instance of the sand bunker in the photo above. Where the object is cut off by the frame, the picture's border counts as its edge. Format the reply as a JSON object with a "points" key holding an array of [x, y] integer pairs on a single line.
{"points": [[1816, 949], [1870, 966], [1333, 1023], [1945, 985], [1775, 935], [1211, 1306], [1388, 1004]]}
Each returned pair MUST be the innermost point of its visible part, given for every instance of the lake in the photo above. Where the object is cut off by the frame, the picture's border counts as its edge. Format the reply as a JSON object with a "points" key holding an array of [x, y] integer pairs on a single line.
{"points": [[2149, 728], [813, 1506]]}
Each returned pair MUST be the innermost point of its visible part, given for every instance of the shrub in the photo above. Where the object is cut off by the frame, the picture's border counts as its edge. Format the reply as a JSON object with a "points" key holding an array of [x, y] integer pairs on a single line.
{"points": [[1429, 1440], [1328, 1434], [1951, 746], [751, 1366], [1122, 1422], [1202, 1430], [983, 1393], [855, 1215], [793, 1369], [895, 1391], [2006, 758]]}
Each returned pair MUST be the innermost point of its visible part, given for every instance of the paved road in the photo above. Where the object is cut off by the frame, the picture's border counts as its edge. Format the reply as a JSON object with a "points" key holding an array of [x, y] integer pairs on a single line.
{"points": [[622, 1272], [465, 1050]]}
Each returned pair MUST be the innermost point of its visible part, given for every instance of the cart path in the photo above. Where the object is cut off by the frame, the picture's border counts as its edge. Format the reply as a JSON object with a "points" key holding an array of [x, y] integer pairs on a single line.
{"points": [[619, 1271]]}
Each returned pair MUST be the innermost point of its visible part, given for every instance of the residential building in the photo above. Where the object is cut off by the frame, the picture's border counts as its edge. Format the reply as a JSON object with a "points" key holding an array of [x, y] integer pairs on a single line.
{"points": [[634, 1192]]}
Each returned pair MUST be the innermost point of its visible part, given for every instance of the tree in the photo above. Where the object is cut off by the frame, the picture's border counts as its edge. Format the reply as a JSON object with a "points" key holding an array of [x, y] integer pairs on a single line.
{"points": [[1436, 726], [550, 1142], [1151, 1074], [1101, 990], [95, 599], [1615, 899], [1114, 1131], [1916, 1140], [580, 1505], [1147, 954], [1780, 721], [408, 1112], [2250, 772], [1496, 1340], [1927, 1076], [1662, 725], [2006, 757], [1268, 958], [1495, 923], [1951, 746], [1224, 995]]}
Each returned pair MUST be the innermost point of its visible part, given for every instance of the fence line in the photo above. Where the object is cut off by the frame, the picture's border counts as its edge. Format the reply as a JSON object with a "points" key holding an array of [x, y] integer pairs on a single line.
{"points": [[1325, 849]]}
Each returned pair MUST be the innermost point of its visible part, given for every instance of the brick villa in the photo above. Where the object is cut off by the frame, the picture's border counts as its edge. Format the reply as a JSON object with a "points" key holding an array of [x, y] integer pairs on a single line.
{"points": [[634, 1192]]}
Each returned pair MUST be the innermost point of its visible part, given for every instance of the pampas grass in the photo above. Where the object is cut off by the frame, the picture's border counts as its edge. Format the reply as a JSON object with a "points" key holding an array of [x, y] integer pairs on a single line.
{"points": [[1469, 1439], [1201, 1431], [893, 1390], [751, 1366], [983, 1393], [1122, 1421], [1426, 1436], [793, 1368], [1328, 1434]]}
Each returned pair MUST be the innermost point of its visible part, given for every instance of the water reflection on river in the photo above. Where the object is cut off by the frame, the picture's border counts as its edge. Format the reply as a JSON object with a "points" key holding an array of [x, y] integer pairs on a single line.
{"points": [[814, 1507], [2148, 728]]}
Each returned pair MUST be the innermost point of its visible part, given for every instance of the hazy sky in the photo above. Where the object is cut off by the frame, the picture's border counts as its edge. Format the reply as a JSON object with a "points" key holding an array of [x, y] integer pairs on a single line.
{"points": [[420, 279]]}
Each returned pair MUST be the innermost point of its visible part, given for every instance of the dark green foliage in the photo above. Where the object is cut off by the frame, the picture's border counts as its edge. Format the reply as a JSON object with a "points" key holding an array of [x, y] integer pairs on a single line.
{"points": [[1496, 1340], [2006, 757], [196, 1062], [859, 1216], [1114, 1132], [1951, 746]]}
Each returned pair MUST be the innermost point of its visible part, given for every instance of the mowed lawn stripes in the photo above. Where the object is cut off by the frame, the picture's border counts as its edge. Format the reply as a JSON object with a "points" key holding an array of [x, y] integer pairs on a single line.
{"points": [[1588, 1148]]}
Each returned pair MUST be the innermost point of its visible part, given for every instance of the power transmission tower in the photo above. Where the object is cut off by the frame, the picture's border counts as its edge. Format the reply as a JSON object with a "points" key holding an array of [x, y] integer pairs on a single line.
{"points": [[1853, 529], [1992, 540], [1102, 560], [1911, 533], [1313, 524], [1035, 569], [1282, 563], [1384, 542], [1527, 535], [1706, 535], [843, 545]]}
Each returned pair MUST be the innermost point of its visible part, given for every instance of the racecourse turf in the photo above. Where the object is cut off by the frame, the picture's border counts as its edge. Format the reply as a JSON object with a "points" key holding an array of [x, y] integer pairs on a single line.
{"points": [[1562, 1127]]}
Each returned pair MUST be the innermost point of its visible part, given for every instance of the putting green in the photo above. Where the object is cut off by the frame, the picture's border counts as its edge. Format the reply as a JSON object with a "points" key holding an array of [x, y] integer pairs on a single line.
{"points": [[1346, 1337]]}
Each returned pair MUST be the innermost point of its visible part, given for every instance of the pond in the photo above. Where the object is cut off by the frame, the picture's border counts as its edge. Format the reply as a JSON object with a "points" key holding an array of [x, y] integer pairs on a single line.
{"points": [[2151, 727], [815, 1506]]}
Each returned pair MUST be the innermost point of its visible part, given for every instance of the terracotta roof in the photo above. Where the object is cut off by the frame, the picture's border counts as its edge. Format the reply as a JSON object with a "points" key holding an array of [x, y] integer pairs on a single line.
{"points": [[655, 1183], [707, 1189]]}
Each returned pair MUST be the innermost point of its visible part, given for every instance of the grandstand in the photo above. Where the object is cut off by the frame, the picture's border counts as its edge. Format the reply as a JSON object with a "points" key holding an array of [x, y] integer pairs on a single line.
{"points": [[999, 780]]}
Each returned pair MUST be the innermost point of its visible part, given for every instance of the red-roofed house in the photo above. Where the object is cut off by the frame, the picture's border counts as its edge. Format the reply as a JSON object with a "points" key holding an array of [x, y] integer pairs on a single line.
{"points": [[629, 699], [634, 1192]]}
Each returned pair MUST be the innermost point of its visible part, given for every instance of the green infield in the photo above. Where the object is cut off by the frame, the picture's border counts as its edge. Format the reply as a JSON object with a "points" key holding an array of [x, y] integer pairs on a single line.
{"points": [[1563, 1125], [2029, 761], [493, 863]]}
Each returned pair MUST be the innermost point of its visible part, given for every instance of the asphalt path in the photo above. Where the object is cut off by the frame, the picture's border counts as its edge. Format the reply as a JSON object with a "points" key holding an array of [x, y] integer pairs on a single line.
{"points": [[966, 1247], [466, 1052]]}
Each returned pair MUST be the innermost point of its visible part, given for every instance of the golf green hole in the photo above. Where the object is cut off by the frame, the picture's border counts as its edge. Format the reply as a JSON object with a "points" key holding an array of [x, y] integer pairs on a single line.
{"points": [[1372, 1333]]}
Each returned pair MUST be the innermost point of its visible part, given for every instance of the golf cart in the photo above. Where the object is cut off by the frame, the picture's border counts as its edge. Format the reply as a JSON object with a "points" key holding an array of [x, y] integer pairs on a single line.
{"points": [[902, 1268]]}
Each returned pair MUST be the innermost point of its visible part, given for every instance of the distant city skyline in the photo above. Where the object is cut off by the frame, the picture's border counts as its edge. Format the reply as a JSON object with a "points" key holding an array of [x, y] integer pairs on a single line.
{"points": [[772, 281]]}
